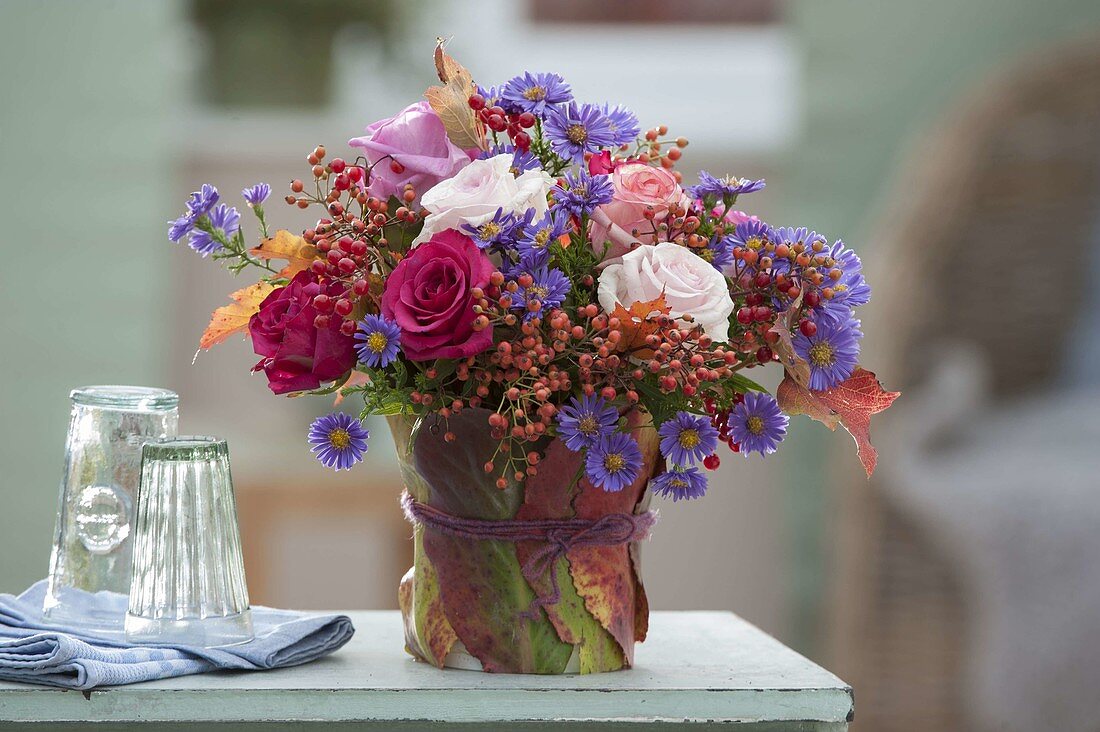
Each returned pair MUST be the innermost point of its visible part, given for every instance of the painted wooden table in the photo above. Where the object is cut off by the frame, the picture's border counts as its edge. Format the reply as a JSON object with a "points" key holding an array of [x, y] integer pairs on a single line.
{"points": [[709, 668]]}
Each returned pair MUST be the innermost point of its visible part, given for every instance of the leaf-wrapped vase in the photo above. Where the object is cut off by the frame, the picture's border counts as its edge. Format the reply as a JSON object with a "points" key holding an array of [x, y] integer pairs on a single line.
{"points": [[489, 604]]}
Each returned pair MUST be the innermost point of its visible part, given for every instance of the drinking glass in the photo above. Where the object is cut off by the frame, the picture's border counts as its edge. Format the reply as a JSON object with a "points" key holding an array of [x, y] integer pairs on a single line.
{"points": [[92, 540], [188, 583]]}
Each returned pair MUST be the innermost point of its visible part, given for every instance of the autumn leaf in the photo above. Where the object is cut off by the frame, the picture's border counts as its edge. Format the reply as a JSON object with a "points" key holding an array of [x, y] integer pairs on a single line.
{"points": [[850, 404], [356, 378], [451, 102], [234, 317], [795, 366], [298, 253], [640, 321]]}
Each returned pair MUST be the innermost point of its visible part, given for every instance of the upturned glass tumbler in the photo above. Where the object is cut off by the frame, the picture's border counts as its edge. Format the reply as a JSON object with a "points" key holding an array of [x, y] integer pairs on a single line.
{"points": [[93, 539], [188, 582]]}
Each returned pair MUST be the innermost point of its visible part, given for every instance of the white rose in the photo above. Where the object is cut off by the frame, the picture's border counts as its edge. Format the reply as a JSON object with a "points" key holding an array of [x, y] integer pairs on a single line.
{"points": [[691, 286], [474, 195]]}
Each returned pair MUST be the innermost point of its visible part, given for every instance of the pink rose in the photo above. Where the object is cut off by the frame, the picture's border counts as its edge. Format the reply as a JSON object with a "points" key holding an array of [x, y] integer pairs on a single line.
{"points": [[297, 355], [638, 187], [429, 295], [415, 138]]}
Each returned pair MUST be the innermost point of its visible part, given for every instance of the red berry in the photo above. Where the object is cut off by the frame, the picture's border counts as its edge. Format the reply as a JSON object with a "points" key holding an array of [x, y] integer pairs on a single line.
{"points": [[812, 299], [763, 354], [476, 102], [522, 140], [754, 298], [708, 405], [744, 315], [344, 242], [343, 307], [358, 247], [337, 165], [348, 327], [763, 279], [496, 123], [397, 167], [762, 313], [711, 462], [318, 266], [527, 120], [321, 322], [734, 445], [360, 287], [807, 327], [355, 173], [346, 265], [342, 182], [323, 303]]}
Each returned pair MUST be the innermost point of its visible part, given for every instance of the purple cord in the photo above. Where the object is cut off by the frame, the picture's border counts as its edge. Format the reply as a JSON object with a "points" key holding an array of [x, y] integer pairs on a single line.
{"points": [[557, 535]]}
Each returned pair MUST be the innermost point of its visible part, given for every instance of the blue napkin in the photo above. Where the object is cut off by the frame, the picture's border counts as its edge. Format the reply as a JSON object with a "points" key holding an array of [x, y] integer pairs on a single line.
{"points": [[36, 651]]}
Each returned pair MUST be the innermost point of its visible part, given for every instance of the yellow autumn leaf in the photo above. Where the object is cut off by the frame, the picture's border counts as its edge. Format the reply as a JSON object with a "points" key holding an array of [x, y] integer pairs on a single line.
{"points": [[451, 102], [297, 252], [234, 317]]}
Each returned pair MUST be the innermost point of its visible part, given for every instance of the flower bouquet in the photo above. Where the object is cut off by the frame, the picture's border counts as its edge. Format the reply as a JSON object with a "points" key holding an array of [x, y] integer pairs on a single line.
{"points": [[556, 329]]}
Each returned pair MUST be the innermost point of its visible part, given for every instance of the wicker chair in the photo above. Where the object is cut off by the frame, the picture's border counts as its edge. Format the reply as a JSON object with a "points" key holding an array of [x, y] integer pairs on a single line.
{"points": [[994, 212]]}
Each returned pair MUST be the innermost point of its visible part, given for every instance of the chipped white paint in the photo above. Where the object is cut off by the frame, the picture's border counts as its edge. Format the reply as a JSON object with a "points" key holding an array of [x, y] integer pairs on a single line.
{"points": [[695, 666]]}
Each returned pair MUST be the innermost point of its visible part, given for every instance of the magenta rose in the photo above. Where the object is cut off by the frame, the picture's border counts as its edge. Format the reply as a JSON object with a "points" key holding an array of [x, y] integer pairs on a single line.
{"points": [[297, 355], [416, 141], [429, 295]]}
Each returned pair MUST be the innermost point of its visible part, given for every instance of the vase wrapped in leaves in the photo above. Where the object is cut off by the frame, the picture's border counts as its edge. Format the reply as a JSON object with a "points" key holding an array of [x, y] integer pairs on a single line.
{"points": [[562, 593], [557, 328]]}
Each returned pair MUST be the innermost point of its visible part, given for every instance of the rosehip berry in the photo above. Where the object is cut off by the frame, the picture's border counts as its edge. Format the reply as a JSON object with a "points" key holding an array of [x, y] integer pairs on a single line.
{"points": [[337, 165], [711, 462], [355, 173], [358, 247], [808, 328], [297, 186]]}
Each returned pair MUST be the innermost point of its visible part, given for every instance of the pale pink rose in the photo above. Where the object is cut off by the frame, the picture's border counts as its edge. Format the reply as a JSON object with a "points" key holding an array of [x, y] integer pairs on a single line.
{"points": [[481, 189], [638, 187], [690, 284], [416, 140]]}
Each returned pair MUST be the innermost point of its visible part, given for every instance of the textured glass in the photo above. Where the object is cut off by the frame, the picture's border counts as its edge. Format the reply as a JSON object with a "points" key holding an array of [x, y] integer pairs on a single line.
{"points": [[188, 581], [93, 538]]}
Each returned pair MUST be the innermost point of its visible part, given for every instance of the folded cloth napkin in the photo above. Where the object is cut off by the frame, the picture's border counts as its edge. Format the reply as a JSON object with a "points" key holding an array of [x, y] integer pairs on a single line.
{"points": [[36, 651]]}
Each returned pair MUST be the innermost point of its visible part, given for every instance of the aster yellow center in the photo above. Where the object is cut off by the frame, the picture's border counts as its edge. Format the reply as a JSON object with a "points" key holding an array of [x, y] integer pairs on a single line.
{"points": [[754, 243], [489, 230], [588, 425], [755, 424], [542, 237], [677, 483], [821, 354], [339, 438], [377, 342], [614, 462], [534, 93], [538, 292], [689, 439], [577, 134]]}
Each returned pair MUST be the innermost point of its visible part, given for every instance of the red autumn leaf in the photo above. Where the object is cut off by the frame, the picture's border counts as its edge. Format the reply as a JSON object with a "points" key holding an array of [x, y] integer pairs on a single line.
{"points": [[795, 366], [850, 403], [640, 321]]}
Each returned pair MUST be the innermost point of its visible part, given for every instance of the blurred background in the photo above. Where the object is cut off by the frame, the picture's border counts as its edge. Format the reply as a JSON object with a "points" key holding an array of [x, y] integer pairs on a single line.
{"points": [[954, 143]]}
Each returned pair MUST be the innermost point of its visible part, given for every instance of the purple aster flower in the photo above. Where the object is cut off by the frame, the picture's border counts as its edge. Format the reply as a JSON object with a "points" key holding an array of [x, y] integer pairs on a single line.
{"points": [[680, 484], [548, 288], [522, 160], [225, 220], [624, 123], [198, 205], [719, 252], [851, 290], [753, 235], [494, 97], [532, 92], [257, 194], [583, 422], [538, 235], [614, 462], [499, 231], [726, 187], [576, 129], [757, 424], [338, 440], [582, 193], [380, 340], [832, 352], [792, 236], [687, 438]]}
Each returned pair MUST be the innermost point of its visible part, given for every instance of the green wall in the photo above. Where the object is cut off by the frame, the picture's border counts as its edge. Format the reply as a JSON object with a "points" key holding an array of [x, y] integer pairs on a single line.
{"points": [[86, 99]]}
